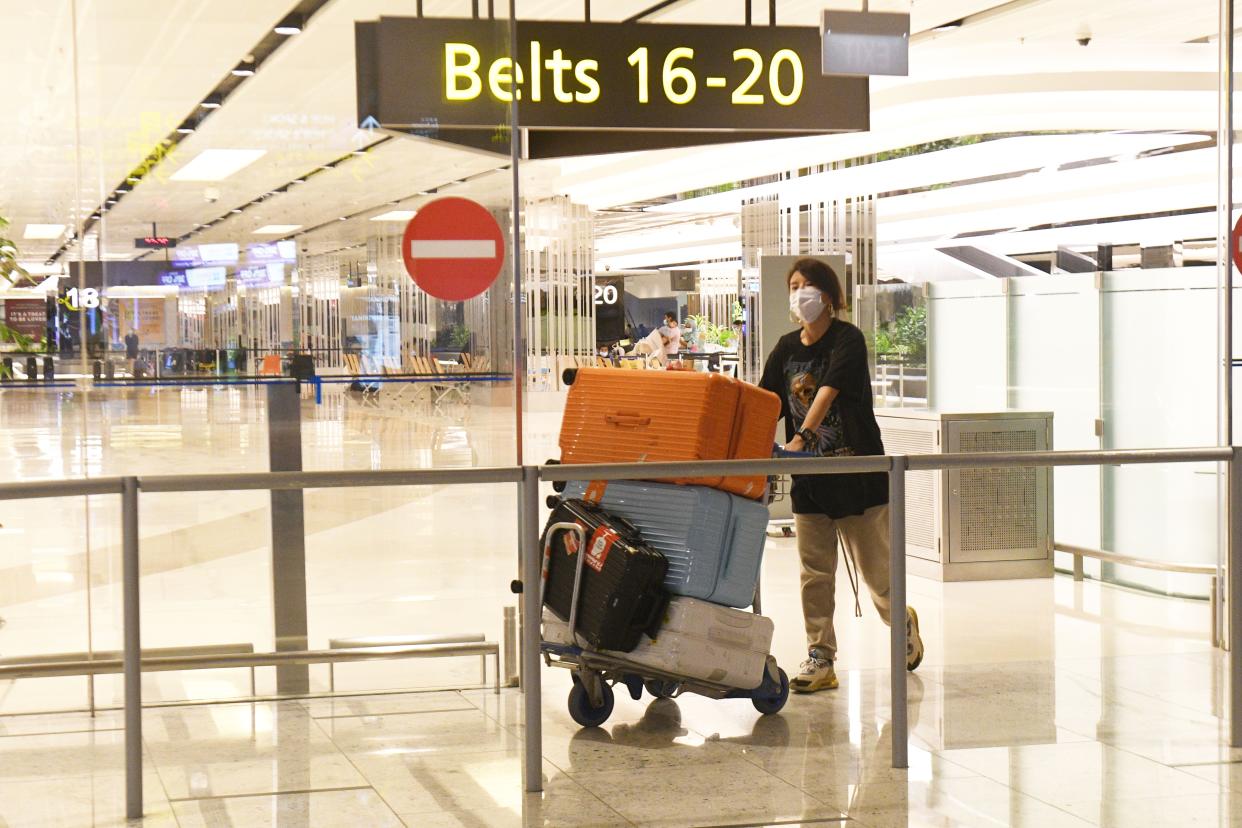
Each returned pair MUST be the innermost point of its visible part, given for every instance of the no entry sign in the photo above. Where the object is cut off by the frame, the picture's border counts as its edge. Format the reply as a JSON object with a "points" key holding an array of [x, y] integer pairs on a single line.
{"points": [[453, 249]]}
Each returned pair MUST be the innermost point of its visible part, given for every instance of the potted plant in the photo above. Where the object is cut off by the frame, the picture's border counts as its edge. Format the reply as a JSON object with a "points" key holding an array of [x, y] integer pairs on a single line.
{"points": [[10, 270]]}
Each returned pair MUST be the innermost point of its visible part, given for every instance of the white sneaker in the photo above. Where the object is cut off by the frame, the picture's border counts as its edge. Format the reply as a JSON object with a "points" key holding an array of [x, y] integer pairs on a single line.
{"points": [[815, 674], [914, 641]]}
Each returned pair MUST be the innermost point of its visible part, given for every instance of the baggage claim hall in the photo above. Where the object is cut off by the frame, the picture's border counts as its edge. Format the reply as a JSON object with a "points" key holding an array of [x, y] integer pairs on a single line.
{"points": [[619, 412]]}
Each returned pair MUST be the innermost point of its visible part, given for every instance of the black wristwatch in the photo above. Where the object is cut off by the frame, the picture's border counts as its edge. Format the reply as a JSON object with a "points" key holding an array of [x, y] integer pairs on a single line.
{"points": [[808, 436]]}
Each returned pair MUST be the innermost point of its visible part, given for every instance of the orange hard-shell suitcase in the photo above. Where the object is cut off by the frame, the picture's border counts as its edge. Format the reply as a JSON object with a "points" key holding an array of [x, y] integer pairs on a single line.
{"points": [[665, 416]]}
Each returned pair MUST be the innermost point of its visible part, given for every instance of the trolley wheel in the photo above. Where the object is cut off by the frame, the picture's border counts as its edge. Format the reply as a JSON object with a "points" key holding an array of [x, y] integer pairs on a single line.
{"points": [[660, 688], [581, 710], [773, 702]]}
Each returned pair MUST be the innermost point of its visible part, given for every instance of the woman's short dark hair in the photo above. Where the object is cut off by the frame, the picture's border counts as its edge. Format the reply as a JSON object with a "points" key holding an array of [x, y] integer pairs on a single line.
{"points": [[821, 276], [671, 315]]}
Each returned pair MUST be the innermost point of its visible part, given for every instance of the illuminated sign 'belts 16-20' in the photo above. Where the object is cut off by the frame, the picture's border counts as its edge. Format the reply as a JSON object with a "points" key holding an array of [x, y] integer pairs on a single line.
{"points": [[570, 81], [437, 76]]}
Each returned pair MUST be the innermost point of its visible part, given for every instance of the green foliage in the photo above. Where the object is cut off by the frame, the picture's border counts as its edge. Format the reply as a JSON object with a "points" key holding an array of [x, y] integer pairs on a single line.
{"points": [[24, 343], [10, 270], [455, 337], [906, 336], [884, 343], [459, 337], [713, 334], [930, 146], [910, 333]]}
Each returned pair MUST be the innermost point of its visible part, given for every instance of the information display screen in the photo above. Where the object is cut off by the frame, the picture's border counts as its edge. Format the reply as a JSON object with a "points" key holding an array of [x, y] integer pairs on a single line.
{"points": [[154, 243]]}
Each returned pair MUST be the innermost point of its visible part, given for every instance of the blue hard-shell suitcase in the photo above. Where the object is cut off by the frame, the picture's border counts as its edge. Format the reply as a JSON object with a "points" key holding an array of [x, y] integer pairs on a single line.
{"points": [[713, 540]]}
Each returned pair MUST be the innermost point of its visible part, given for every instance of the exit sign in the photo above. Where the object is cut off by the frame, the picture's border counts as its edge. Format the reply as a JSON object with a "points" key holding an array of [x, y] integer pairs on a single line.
{"points": [[154, 243]]}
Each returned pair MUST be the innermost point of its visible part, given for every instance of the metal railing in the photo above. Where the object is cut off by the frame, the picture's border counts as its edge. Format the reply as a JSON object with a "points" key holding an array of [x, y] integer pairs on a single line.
{"points": [[1212, 571], [528, 479], [897, 466]]}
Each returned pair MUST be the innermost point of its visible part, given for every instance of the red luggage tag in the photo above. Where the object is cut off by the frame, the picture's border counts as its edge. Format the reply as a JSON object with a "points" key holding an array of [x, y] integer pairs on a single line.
{"points": [[571, 540], [599, 547], [595, 492]]}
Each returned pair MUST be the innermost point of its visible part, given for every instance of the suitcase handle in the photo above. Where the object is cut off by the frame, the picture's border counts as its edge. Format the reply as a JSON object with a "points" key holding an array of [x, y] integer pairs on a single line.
{"points": [[629, 527], [627, 419], [730, 538]]}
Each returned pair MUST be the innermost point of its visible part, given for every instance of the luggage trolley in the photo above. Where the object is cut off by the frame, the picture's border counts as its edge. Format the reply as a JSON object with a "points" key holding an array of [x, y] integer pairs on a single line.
{"points": [[591, 699]]}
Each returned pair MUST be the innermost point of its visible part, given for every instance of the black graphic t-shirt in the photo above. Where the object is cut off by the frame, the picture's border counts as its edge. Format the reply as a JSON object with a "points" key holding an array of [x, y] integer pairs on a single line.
{"points": [[795, 372]]}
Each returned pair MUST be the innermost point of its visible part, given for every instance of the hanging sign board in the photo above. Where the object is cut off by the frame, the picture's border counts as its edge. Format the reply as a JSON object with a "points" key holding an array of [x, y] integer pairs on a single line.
{"points": [[598, 87], [453, 249], [154, 243], [865, 43]]}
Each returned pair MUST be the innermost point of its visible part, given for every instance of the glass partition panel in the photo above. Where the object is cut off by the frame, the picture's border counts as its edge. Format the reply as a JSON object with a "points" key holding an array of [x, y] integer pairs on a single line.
{"points": [[209, 225], [1054, 360], [894, 319], [47, 549], [1159, 390], [967, 339], [402, 563]]}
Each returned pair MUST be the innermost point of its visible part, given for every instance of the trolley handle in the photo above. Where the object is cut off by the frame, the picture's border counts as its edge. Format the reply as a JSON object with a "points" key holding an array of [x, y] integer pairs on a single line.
{"points": [[564, 526]]}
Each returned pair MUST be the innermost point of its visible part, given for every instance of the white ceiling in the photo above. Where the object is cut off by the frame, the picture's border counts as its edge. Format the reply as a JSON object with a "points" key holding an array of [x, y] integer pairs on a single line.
{"points": [[143, 66], [1012, 66], [1000, 193]]}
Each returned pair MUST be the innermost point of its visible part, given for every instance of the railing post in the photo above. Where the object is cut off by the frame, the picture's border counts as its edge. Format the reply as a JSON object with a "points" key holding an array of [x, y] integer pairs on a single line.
{"points": [[1234, 596], [132, 655], [511, 647], [532, 567], [1214, 608], [288, 520], [897, 605]]}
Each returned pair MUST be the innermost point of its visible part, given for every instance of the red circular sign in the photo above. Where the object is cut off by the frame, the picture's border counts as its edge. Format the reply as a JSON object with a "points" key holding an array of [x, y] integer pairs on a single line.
{"points": [[1235, 244], [453, 249]]}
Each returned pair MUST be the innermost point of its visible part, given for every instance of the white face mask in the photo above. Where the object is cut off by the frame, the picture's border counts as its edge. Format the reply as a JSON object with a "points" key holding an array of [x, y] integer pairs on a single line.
{"points": [[806, 304]]}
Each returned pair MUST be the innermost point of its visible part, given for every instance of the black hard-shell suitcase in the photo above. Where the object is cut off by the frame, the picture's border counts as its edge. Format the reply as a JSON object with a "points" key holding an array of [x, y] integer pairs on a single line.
{"points": [[622, 593]]}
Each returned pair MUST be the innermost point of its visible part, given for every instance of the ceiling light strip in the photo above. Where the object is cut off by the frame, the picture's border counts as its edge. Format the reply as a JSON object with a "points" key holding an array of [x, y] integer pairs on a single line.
{"points": [[421, 193], [303, 11], [237, 210]]}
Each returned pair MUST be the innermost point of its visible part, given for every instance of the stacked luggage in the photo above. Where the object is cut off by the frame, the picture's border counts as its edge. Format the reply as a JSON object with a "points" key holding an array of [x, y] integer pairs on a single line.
{"points": [[666, 567]]}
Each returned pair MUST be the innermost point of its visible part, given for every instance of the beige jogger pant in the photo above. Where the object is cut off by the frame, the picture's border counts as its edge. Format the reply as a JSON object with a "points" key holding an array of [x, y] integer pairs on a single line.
{"points": [[864, 536]]}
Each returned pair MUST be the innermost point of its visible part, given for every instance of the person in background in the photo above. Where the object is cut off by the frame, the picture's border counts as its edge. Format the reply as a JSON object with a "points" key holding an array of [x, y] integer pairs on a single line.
{"points": [[820, 373], [131, 350], [652, 348], [670, 332], [691, 334]]}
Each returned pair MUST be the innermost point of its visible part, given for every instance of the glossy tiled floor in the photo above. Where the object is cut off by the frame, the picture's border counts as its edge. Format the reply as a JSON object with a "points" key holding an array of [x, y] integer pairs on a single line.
{"points": [[1041, 703]]}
